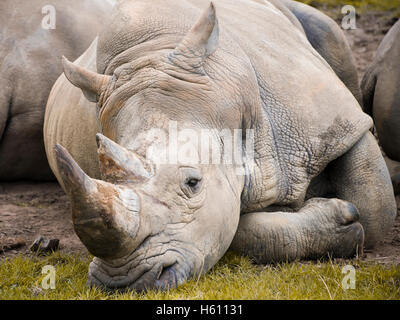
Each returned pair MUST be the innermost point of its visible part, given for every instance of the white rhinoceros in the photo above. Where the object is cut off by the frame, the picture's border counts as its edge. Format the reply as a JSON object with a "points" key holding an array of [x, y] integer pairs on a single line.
{"points": [[34, 34], [381, 95], [312, 183]]}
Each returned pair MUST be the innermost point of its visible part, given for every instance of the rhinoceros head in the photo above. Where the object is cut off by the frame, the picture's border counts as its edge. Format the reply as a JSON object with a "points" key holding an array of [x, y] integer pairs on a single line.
{"points": [[152, 224]]}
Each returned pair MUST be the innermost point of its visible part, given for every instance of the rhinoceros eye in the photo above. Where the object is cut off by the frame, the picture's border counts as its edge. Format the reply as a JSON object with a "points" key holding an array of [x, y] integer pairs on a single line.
{"points": [[194, 184], [191, 181]]}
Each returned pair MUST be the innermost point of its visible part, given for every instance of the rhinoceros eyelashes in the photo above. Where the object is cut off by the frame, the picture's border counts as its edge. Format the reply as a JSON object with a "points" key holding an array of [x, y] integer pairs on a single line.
{"points": [[117, 163], [199, 43], [91, 83]]}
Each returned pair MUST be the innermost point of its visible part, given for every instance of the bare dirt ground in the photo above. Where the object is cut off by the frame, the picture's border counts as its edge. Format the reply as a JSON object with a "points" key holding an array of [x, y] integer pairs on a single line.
{"points": [[28, 210]]}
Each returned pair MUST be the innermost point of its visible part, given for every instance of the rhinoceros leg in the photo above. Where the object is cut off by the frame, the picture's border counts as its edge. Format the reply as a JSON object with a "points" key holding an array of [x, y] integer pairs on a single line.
{"points": [[358, 179], [322, 227], [368, 85], [362, 178]]}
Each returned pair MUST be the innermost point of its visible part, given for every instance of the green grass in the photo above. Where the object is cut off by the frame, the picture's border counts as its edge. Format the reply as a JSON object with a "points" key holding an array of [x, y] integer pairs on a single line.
{"points": [[392, 6], [233, 277]]}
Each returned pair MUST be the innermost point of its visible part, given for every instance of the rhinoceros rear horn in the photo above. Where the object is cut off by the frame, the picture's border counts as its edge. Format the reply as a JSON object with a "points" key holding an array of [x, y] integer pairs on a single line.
{"points": [[91, 83], [105, 216], [199, 42], [118, 163]]}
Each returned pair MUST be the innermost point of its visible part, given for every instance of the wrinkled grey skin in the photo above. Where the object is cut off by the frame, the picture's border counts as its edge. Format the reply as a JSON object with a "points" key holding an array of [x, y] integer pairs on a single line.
{"points": [[29, 65], [381, 94], [319, 185]]}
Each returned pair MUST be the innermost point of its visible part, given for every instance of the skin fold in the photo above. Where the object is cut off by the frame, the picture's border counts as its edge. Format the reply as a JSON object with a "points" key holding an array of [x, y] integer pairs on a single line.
{"points": [[381, 95], [226, 65], [29, 65]]}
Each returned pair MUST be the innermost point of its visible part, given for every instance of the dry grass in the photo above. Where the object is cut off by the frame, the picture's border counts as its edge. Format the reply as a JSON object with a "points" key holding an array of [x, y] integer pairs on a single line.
{"points": [[233, 277]]}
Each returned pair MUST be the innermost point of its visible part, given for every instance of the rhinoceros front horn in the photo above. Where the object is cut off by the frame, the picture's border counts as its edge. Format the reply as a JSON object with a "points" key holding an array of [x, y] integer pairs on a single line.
{"points": [[105, 216]]}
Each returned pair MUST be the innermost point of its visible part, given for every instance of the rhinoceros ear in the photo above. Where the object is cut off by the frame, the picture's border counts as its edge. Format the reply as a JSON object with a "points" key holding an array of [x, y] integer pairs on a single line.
{"points": [[200, 42], [91, 83]]}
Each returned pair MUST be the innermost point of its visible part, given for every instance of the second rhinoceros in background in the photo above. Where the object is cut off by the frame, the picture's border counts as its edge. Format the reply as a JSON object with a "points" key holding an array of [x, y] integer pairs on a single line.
{"points": [[245, 67], [31, 45], [381, 95]]}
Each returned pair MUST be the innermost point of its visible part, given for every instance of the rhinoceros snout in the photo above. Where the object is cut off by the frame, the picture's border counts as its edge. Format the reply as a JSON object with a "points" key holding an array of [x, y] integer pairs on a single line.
{"points": [[162, 275]]}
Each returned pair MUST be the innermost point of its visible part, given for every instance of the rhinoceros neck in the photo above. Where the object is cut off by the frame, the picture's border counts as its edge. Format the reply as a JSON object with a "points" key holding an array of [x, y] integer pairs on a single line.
{"points": [[264, 182]]}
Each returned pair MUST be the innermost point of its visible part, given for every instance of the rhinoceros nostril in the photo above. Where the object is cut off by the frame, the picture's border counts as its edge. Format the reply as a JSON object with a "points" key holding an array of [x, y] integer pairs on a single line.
{"points": [[167, 278]]}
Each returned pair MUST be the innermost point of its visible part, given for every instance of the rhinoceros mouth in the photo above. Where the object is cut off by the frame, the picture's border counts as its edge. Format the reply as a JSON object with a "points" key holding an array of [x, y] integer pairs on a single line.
{"points": [[161, 275]]}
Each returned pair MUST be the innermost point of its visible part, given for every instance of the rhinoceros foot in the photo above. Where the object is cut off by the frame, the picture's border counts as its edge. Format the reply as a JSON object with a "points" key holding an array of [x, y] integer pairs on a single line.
{"points": [[323, 227]]}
